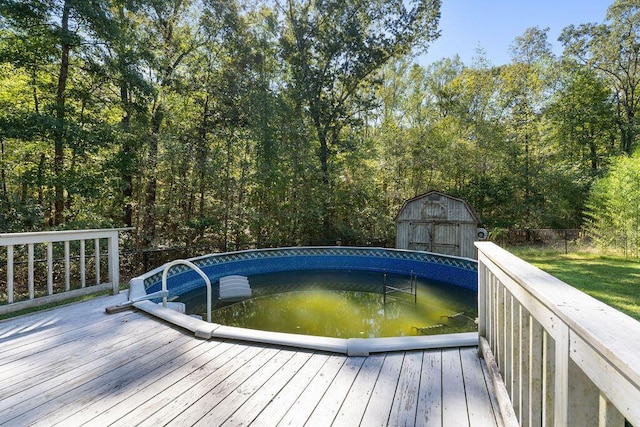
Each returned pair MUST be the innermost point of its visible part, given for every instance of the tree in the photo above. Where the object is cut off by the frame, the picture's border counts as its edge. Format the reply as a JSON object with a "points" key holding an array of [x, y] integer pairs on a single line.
{"points": [[172, 37], [68, 24], [582, 114], [334, 48], [614, 207], [124, 58], [613, 50], [524, 90]]}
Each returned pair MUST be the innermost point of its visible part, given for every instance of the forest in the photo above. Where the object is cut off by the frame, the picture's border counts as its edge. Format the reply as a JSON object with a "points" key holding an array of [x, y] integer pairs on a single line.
{"points": [[274, 122]]}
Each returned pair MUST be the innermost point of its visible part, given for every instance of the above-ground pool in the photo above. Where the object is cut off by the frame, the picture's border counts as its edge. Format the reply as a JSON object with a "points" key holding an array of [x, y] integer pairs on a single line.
{"points": [[364, 274], [344, 304]]}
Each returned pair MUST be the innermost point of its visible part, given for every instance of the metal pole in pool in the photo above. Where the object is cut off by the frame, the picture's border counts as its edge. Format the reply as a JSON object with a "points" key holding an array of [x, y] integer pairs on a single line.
{"points": [[414, 287], [384, 289]]}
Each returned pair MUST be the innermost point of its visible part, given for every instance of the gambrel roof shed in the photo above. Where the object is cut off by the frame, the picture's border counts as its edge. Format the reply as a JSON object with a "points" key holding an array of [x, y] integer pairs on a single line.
{"points": [[437, 222]]}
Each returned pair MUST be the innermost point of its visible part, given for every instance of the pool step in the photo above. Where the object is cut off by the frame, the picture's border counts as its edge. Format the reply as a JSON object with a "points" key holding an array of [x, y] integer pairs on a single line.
{"points": [[234, 288]]}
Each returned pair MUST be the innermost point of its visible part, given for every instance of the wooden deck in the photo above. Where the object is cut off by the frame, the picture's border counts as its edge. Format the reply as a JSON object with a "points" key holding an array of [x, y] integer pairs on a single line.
{"points": [[76, 365]]}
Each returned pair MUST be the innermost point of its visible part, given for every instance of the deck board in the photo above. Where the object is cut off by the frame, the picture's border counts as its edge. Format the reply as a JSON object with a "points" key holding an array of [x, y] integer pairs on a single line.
{"points": [[58, 392], [27, 369], [479, 405], [454, 404], [76, 365], [357, 400], [302, 408], [277, 408], [328, 407], [150, 394], [405, 402], [379, 407], [429, 412], [263, 395]]}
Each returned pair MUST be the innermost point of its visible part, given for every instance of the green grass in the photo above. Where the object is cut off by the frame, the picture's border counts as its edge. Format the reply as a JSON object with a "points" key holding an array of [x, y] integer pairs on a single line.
{"points": [[611, 279]]}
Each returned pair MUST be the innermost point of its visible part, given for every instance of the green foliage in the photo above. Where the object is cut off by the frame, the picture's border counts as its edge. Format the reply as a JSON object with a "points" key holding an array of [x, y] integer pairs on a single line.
{"points": [[611, 49], [228, 124], [614, 207]]}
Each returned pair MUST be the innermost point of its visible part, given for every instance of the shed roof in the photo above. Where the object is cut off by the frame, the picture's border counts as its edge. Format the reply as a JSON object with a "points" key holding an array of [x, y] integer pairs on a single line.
{"points": [[471, 211]]}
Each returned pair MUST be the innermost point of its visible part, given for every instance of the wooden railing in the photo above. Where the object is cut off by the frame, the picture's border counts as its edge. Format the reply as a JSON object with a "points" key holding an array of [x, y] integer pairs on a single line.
{"points": [[565, 358], [70, 247]]}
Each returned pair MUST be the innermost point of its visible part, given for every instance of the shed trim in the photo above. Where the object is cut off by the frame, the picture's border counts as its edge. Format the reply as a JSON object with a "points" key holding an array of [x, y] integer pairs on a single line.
{"points": [[471, 211]]}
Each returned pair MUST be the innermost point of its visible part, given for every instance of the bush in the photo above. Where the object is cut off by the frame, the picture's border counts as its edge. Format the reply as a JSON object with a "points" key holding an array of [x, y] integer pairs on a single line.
{"points": [[614, 207]]}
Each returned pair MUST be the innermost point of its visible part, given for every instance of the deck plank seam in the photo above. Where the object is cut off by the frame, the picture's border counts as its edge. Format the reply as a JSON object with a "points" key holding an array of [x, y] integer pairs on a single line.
{"points": [[147, 393], [20, 360], [131, 381], [225, 387], [259, 396], [200, 388], [250, 386], [61, 390], [292, 383], [46, 332]]}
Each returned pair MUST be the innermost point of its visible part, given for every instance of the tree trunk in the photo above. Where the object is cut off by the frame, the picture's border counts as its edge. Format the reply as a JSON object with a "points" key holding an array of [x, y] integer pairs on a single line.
{"points": [[58, 160], [5, 195], [36, 102], [323, 154], [593, 150], [149, 221], [203, 153], [127, 154], [628, 133]]}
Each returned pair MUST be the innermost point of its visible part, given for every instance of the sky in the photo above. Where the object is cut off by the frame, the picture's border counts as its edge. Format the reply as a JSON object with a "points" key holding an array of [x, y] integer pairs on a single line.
{"points": [[493, 25]]}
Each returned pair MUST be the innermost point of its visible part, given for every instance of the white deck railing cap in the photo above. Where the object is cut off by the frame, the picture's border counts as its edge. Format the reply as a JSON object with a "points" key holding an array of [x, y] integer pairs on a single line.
{"points": [[610, 332], [57, 236]]}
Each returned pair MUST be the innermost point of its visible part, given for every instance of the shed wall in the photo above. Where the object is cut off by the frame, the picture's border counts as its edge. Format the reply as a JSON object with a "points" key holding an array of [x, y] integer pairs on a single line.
{"points": [[438, 223]]}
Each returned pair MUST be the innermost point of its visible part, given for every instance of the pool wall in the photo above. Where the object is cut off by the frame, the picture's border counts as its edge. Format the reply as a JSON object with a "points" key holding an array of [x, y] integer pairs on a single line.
{"points": [[452, 270], [455, 271]]}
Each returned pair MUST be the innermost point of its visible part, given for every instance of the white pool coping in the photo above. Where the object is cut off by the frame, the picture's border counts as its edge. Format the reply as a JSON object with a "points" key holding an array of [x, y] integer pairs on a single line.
{"points": [[350, 346]]}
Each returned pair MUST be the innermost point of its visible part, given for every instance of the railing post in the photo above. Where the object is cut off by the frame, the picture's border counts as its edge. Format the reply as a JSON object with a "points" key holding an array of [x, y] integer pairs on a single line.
{"points": [[608, 415], [482, 300], [83, 267], [535, 372], [10, 274], [67, 267], [113, 262], [49, 268], [96, 258], [31, 273], [561, 378]]}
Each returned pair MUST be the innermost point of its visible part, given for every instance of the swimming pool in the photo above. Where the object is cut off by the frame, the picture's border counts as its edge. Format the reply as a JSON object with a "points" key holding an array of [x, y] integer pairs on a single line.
{"points": [[453, 271], [344, 304]]}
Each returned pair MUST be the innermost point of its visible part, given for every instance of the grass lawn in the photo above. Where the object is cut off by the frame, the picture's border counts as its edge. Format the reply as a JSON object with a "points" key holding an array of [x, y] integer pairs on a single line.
{"points": [[613, 280]]}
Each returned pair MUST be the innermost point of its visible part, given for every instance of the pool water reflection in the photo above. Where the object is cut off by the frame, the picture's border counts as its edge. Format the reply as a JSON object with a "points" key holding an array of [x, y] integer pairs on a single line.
{"points": [[345, 304]]}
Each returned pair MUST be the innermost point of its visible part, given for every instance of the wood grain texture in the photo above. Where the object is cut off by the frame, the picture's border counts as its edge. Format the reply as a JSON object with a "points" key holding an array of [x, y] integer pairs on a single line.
{"points": [[77, 365]]}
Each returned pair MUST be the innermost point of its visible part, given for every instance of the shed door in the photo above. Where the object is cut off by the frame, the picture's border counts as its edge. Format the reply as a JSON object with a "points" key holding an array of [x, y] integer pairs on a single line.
{"points": [[435, 237], [420, 236]]}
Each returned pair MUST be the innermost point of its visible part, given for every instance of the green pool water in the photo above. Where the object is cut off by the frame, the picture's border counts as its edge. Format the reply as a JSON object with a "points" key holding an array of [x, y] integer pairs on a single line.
{"points": [[349, 305]]}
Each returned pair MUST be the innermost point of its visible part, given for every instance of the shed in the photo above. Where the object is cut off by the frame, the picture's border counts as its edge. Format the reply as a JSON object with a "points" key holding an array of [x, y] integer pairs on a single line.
{"points": [[438, 222]]}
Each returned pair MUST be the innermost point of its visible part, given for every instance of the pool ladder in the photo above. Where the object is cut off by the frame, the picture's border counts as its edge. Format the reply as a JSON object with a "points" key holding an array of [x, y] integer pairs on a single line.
{"points": [[197, 270], [412, 289]]}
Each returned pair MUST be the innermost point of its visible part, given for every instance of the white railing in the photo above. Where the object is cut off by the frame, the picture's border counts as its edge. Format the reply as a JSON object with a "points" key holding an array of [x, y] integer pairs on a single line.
{"points": [[565, 358], [76, 260]]}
